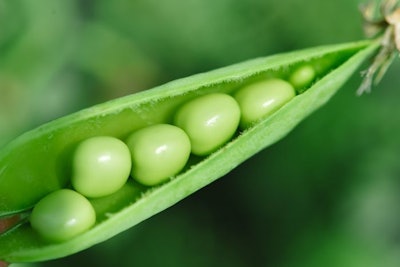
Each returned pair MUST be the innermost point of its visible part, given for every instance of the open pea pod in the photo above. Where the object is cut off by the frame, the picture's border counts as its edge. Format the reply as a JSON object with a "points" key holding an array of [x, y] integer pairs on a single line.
{"points": [[38, 162]]}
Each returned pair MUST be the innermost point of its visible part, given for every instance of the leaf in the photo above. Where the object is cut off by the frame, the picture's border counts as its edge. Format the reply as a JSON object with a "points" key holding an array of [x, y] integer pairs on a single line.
{"points": [[37, 163]]}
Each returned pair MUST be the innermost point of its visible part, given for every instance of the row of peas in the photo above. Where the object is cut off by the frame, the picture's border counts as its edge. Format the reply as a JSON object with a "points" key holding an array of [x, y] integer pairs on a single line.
{"points": [[102, 165]]}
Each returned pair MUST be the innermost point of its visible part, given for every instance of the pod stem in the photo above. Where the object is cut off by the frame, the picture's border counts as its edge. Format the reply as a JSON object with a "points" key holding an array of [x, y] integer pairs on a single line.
{"points": [[386, 24], [8, 223]]}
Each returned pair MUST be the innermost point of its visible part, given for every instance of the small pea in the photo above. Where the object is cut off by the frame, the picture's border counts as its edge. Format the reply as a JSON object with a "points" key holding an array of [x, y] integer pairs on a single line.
{"points": [[61, 215], [302, 76], [101, 166], [258, 100], [158, 152], [210, 121]]}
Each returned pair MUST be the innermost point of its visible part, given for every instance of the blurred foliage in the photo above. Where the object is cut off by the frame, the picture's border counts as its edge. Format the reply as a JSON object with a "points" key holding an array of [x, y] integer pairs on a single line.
{"points": [[326, 195]]}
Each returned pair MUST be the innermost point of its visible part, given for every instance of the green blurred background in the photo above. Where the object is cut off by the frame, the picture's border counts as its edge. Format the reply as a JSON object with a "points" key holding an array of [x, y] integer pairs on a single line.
{"points": [[327, 195]]}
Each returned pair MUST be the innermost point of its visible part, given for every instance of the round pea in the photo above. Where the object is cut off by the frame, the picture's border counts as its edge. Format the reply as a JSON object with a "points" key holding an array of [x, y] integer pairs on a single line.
{"points": [[261, 99], [302, 76], [158, 153], [210, 121], [101, 166], [61, 215]]}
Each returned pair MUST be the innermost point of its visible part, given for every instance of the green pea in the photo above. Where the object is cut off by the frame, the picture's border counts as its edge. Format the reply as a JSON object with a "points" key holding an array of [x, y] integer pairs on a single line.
{"points": [[101, 166], [61, 215], [210, 121], [302, 76], [158, 153], [258, 100]]}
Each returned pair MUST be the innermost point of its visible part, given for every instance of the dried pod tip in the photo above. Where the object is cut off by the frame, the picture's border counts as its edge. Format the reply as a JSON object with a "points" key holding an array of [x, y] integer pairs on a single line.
{"points": [[385, 23]]}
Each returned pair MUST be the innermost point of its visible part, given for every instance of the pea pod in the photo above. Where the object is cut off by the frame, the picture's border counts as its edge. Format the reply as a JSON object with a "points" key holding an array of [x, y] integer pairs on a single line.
{"points": [[38, 162]]}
